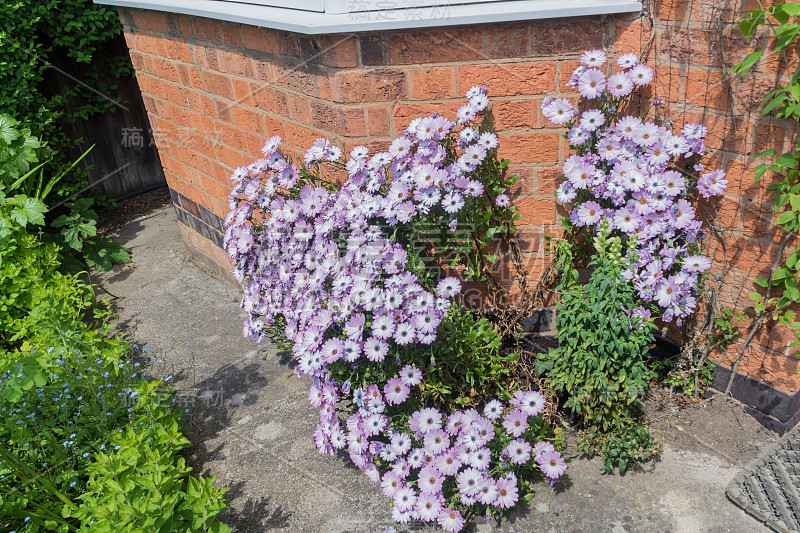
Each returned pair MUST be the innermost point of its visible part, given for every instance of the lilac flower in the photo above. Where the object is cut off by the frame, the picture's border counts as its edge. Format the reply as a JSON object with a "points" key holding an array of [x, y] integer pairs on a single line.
{"points": [[502, 201], [558, 111], [620, 84], [540, 447], [452, 202], [694, 131], [405, 498], [518, 451], [591, 83], [450, 520], [641, 75], [627, 61], [592, 119], [530, 402], [411, 375], [429, 419], [429, 480], [593, 58], [516, 422], [628, 125], [589, 213], [552, 464], [469, 481], [395, 391], [507, 494], [712, 183], [696, 263], [578, 135], [428, 507], [493, 410]]}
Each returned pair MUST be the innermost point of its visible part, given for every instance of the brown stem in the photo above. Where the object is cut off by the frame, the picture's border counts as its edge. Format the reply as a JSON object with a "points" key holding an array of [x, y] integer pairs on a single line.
{"points": [[760, 317]]}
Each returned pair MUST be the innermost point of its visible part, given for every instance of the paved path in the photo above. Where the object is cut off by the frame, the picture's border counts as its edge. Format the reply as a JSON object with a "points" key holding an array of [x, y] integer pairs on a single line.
{"points": [[255, 432]]}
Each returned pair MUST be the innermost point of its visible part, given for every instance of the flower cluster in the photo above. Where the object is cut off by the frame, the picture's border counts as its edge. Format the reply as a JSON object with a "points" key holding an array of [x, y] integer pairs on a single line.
{"points": [[639, 175], [320, 261]]}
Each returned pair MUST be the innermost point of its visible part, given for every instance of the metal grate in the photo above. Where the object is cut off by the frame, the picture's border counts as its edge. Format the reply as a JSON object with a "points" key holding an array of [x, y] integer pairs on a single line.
{"points": [[769, 486]]}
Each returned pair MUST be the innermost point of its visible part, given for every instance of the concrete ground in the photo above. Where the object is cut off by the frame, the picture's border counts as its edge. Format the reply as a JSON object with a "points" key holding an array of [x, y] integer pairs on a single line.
{"points": [[250, 424]]}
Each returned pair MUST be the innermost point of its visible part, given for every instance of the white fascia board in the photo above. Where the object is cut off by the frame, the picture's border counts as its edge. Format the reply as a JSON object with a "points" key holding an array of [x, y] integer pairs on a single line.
{"points": [[317, 23]]}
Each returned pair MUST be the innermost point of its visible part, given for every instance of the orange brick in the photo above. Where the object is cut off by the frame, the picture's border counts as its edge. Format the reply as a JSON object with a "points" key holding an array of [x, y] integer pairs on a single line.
{"points": [[229, 156], [299, 109], [510, 78], [206, 29], [431, 83], [150, 45], [526, 182], [241, 91], [713, 10], [530, 148], [378, 121], [257, 38], [234, 63], [507, 40], [513, 114], [450, 44], [149, 20], [248, 120], [300, 137], [555, 38], [275, 127], [405, 113], [707, 89], [230, 34], [269, 99], [536, 211], [362, 86], [177, 50], [218, 84], [294, 76], [669, 9], [178, 25], [329, 50], [769, 135], [233, 136], [345, 121], [166, 70], [631, 36], [548, 180]]}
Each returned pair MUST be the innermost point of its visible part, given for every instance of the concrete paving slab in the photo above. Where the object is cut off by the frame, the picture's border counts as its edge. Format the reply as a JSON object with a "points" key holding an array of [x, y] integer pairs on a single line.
{"points": [[250, 424]]}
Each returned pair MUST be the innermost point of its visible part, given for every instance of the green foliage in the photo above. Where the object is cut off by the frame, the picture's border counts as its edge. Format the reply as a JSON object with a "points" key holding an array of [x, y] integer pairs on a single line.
{"points": [[601, 361], [36, 32], [142, 485], [783, 23]]}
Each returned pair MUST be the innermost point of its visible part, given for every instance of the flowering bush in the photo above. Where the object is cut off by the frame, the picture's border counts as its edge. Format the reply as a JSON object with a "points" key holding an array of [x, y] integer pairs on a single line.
{"points": [[641, 177], [337, 271]]}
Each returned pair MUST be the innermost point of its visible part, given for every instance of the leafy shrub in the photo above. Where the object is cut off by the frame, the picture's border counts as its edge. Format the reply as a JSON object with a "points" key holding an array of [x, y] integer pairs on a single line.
{"points": [[142, 485], [604, 335]]}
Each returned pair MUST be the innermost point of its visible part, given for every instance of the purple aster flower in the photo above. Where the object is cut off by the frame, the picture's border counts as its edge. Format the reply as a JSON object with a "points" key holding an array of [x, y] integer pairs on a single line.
{"points": [[507, 494], [593, 58], [540, 447], [516, 422], [429, 419], [405, 498], [667, 292], [395, 391], [428, 507], [502, 200], [450, 520], [411, 375], [448, 287], [488, 140], [620, 84], [645, 134], [589, 213], [452, 202], [565, 193], [552, 464], [628, 125], [518, 451], [712, 183], [530, 402], [694, 131], [448, 463], [429, 480], [558, 111], [480, 458], [683, 213], [493, 410], [626, 220], [469, 481], [591, 83], [696, 263], [641, 75], [592, 119], [404, 334], [375, 349], [390, 484], [627, 61], [578, 136]]}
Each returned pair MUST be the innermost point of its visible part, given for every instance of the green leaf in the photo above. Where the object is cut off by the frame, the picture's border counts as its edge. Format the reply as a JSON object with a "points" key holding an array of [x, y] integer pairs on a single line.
{"points": [[8, 129], [756, 297], [785, 217], [748, 62], [27, 210]]}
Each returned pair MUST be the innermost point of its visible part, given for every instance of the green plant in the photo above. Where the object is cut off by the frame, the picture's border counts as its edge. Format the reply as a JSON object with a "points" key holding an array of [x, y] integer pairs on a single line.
{"points": [[782, 22], [601, 361], [142, 486]]}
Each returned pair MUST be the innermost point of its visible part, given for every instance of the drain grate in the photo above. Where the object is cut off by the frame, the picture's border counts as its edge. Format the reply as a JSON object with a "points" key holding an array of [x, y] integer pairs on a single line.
{"points": [[769, 486]]}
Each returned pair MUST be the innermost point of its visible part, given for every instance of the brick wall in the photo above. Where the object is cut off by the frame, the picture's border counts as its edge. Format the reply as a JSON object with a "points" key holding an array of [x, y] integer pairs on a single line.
{"points": [[215, 90]]}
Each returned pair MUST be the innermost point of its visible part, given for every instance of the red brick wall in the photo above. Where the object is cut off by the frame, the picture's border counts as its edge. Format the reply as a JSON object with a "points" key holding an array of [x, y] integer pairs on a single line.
{"points": [[215, 90]]}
